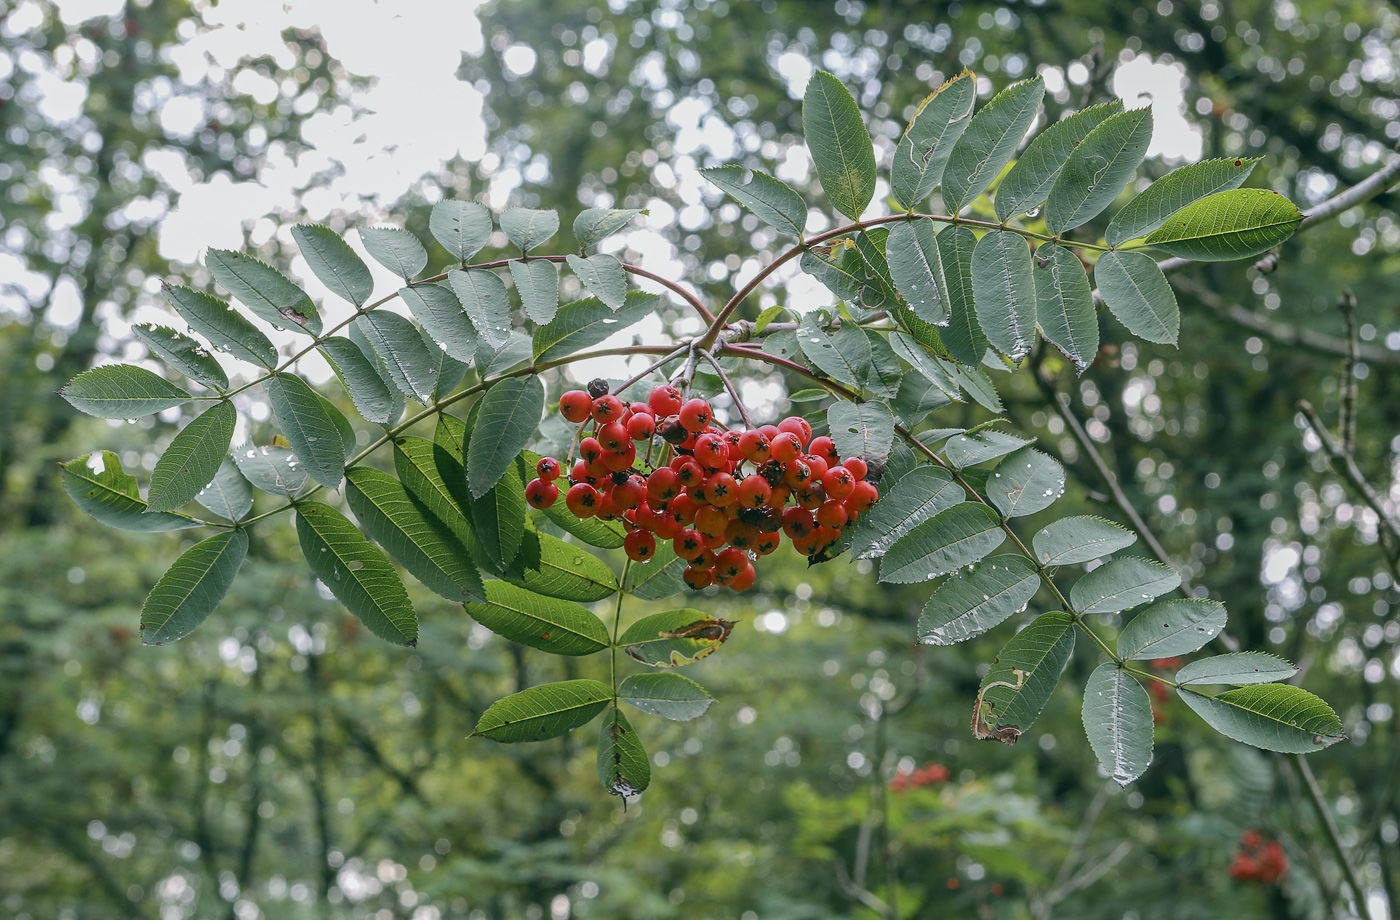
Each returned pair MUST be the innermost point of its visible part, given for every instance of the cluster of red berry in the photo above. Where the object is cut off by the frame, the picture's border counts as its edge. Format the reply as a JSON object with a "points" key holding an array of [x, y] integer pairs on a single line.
{"points": [[718, 495], [1257, 861], [928, 775]]}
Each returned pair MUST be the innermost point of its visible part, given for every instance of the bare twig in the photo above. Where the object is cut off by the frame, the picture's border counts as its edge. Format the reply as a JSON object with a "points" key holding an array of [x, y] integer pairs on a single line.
{"points": [[1389, 527], [728, 385], [1346, 422], [1300, 767]]}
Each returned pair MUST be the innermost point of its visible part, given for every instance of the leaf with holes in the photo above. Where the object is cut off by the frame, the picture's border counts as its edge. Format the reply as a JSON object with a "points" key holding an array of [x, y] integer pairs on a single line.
{"points": [[1237, 224], [98, 485], [623, 766], [1029, 181], [1174, 191], [1026, 482], [1137, 292], [839, 144], [675, 638], [122, 391], [1236, 668], [546, 623], [951, 539], [1098, 169], [1021, 678], [1003, 292], [1079, 539], [334, 262], [923, 150], [1064, 304], [192, 459], [1175, 627], [223, 326], [271, 295], [775, 203], [182, 353], [191, 588], [978, 599], [309, 427], [862, 430], [1118, 720], [916, 497], [541, 713], [666, 694], [356, 572], [1122, 584], [462, 227], [990, 141], [1275, 717]]}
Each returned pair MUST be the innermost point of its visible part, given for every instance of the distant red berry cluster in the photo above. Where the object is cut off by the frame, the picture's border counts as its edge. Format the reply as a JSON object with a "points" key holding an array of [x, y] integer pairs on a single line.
{"points": [[1258, 861], [722, 497], [927, 775]]}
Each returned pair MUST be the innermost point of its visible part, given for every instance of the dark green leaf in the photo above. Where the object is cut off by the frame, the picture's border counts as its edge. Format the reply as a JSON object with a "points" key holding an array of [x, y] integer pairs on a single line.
{"points": [[483, 296], [222, 325], [498, 517], [964, 450], [1028, 183], [271, 295], [529, 227], [974, 601], [623, 766], [1238, 224], [420, 542], [443, 318], [462, 227], [839, 143], [1079, 539], [1121, 584], [190, 590], [122, 391], [537, 282], [917, 397], [356, 572], [229, 495], [400, 350], [1026, 482], [1098, 169], [510, 411], [836, 265], [675, 638], [914, 498], [192, 459], [666, 694], [98, 485], [563, 571], [917, 269], [773, 201], [334, 262], [1137, 292], [375, 400], [978, 385], [274, 469], [923, 150], [603, 276], [182, 353], [1064, 304], [1236, 668], [309, 428], [990, 141], [1174, 627], [1003, 285], [555, 626], [587, 322], [963, 336], [951, 539], [435, 479], [1118, 720], [540, 713], [659, 577], [1175, 191], [1275, 717], [862, 430], [1022, 677]]}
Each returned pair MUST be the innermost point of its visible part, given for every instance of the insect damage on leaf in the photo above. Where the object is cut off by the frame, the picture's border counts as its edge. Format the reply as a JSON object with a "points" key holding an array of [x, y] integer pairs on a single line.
{"points": [[684, 644], [982, 730]]}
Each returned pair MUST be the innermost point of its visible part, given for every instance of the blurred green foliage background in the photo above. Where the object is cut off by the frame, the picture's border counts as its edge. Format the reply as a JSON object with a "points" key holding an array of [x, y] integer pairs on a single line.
{"points": [[282, 763]]}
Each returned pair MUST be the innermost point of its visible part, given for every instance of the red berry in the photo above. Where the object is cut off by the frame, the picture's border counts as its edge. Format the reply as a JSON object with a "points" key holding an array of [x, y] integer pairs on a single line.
{"points": [[629, 494], [639, 545], [575, 406], [797, 523], [590, 450], [797, 426], [620, 461], [721, 490], [608, 509], [689, 472], [548, 469], [607, 409], [839, 483], [663, 485], [864, 496], [766, 543], [786, 447], [740, 534], [541, 494], [711, 521], [695, 415], [825, 448], [857, 466], [818, 464], [744, 580], [688, 544], [697, 577], [641, 426], [583, 500], [754, 491], [798, 474], [665, 400], [832, 514], [613, 436], [711, 451], [684, 508]]}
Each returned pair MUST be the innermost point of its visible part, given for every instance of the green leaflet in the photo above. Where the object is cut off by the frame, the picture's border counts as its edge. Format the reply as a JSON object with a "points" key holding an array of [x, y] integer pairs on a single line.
{"points": [[498, 517], [552, 625], [587, 322], [840, 145], [544, 712], [510, 412], [862, 430], [376, 400], [395, 249], [1275, 717], [228, 495], [595, 224], [537, 283], [963, 335], [775, 203], [1118, 720], [529, 227], [843, 355], [182, 353], [1026, 482], [483, 296], [224, 327], [659, 577], [1098, 169], [965, 450], [334, 262], [1121, 584], [1079, 539], [434, 478], [666, 694], [1003, 286], [1237, 224], [271, 295], [273, 469], [420, 542], [356, 572], [441, 314], [990, 141], [917, 269], [623, 767], [603, 276], [462, 227], [1175, 627], [1028, 183], [1174, 191], [400, 350], [978, 599], [1137, 292], [923, 151], [192, 459], [914, 498], [1236, 668], [1064, 304], [1022, 677], [98, 485], [951, 539], [306, 421], [122, 391], [552, 567], [191, 588]]}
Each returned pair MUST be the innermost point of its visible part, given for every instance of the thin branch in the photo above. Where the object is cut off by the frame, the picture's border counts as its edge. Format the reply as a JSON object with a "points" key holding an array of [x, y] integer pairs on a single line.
{"points": [[1389, 527], [1346, 423], [728, 385], [1300, 767]]}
